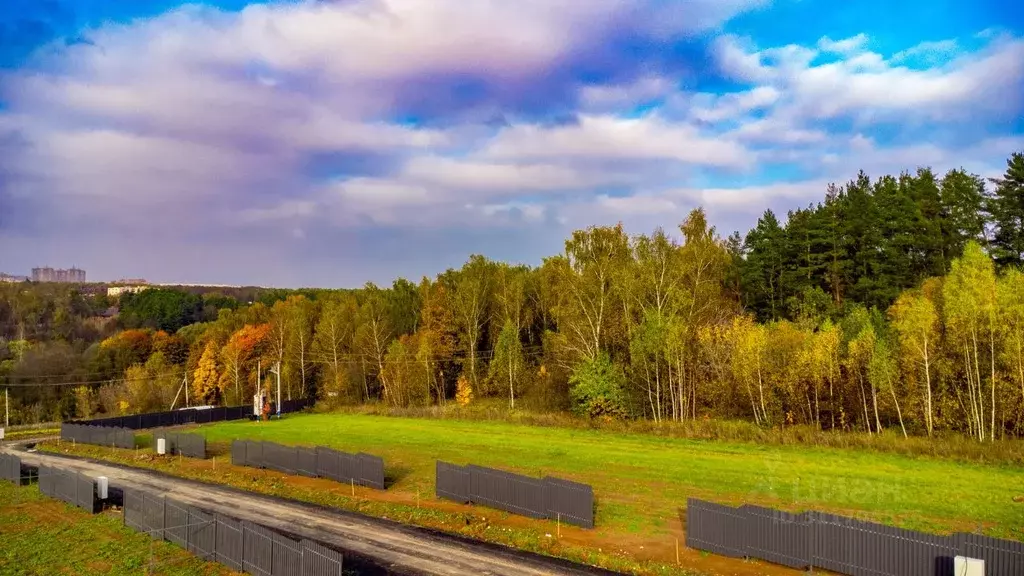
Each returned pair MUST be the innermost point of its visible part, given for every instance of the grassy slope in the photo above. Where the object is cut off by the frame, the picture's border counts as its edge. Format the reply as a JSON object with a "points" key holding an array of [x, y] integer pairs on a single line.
{"points": [[39, 535], [642, 481]]}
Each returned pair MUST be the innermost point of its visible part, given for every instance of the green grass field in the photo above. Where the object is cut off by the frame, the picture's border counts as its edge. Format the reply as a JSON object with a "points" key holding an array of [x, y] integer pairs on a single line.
{"points": [[42, 536], [641, 482]]}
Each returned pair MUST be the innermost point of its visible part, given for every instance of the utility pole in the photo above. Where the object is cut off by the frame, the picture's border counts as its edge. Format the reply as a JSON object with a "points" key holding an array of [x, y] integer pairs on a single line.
{"points": [[7, 408], [277, 371], [186, 389]]}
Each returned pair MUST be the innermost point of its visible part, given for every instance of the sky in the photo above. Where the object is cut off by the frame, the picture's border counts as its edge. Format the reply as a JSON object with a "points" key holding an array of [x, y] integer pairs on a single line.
{"points": [[331, 143]]}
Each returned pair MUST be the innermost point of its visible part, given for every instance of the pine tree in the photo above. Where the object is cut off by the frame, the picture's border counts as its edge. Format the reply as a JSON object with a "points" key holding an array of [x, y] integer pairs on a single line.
{"points": [[963, 214], [1007, 207], [764, 267]]}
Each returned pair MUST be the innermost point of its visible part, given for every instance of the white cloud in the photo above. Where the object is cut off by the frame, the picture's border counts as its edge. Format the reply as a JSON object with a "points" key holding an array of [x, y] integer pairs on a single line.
{"points": [[867, 86], [844, 46], [608, 137], [603, 98], [929, 53]]}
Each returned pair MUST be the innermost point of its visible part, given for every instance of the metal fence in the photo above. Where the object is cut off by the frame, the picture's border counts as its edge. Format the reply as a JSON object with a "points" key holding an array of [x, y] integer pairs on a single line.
{"points": [[839, 544], [74, 488], [173, 418], [554, 498], [98, 435], [190, 445], [189, 416], [11, 470], [320, 462], [240, 545]]}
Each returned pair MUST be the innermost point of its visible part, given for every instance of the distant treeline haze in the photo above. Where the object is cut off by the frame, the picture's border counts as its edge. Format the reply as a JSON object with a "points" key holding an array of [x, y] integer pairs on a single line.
{"points": [[893, 304]]}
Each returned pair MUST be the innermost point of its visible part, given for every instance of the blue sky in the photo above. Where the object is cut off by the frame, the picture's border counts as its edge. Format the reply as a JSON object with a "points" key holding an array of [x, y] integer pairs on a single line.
{"points": [[329, 143]]}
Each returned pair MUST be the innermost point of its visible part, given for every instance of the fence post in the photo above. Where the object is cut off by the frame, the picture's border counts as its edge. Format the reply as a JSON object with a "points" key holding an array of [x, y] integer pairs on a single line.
{"points": [[677, 550], [353, 481], [558, 526]]}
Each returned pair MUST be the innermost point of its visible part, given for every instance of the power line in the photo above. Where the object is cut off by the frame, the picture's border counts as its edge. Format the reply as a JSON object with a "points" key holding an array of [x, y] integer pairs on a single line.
{"points": [[177, 373]]}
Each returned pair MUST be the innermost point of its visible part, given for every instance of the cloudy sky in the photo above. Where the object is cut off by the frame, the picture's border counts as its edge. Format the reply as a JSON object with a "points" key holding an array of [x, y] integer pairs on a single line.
{"points": [[329, 143]]}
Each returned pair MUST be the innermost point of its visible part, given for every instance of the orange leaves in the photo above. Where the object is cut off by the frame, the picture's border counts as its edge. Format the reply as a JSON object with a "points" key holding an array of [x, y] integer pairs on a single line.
{"points": [[138, 342], [249, 340]]}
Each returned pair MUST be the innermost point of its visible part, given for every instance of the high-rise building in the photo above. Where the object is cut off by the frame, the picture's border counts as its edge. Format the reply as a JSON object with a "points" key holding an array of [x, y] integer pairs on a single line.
{"points": [[47, 274]]}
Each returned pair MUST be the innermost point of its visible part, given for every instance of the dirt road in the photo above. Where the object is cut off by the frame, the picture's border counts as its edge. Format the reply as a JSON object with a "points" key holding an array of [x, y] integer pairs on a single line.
{"points": [[396, 548]]}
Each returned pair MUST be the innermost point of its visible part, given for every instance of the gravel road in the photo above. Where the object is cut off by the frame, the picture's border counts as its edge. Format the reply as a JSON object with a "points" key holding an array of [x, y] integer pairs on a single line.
{"points": [[392, 547]]}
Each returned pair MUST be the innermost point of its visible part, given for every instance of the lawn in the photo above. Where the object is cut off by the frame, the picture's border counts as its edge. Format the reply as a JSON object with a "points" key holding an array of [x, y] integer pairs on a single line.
{"points": [[39, 535], [641, 482]]}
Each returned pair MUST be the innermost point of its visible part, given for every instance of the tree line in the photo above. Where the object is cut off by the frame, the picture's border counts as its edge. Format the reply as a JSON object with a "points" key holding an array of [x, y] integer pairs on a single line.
{"points": [[892, 304]]}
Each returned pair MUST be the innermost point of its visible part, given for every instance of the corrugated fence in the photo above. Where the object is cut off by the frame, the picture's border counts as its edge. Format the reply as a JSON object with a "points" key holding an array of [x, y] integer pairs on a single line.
{"points": [[190, 445], [320, 462], [839, 544], [554, 498], [98, 435], [188, 416], [11, 470], [74, 488], [239, 545]]}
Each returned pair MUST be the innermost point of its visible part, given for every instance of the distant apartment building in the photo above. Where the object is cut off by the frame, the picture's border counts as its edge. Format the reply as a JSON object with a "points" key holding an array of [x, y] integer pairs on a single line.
{"points": [[11, 278], [125, 286], [47, 274]]}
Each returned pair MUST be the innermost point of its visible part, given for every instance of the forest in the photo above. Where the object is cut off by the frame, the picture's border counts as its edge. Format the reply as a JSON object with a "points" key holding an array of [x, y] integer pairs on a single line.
{"points": [[893, 304]]}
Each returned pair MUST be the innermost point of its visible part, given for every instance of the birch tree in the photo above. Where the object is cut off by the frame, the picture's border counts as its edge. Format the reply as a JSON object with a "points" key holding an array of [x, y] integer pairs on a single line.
{"points": [[917, 323]]}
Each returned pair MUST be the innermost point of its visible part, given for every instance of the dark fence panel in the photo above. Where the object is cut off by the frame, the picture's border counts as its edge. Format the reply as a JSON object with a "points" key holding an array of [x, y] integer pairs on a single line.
{"points": [[328, 463], [134, 512], [10, 468], [306, 462], [553, 498], [153, 514], [1000, 556], [319, 560], [182, 417], [202, 534], [363, 469], [452, 482], [238, 448], [230, 543], [715, 528], [371, 471], [280, 458], [571, 502], [189, 445], [287, 556], [98, 435], [778, 537], [254, 454], [45, 480], [176, 522], [851, 546], [839, 544], [507, 491], [239, 545], [85, 496], [258, 547]]}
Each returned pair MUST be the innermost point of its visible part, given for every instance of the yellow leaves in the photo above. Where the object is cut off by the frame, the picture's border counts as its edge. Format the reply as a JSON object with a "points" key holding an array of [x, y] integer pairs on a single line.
{"points": [[205, 379], [464, 390]]}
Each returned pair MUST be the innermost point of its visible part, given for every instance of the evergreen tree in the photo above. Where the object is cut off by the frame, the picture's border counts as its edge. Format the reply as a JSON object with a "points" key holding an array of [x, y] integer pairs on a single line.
{"points": [[963, 214], [1007, 207], [764, 266], [924, 235]]}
